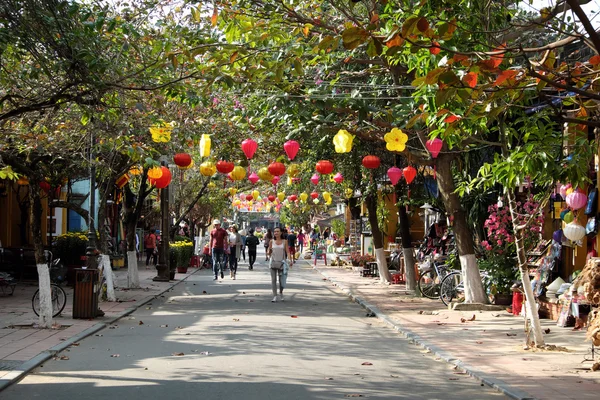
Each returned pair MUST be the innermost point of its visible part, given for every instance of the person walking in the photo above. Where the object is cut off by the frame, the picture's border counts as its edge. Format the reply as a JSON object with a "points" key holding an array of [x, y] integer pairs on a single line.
{"points": [[251, 242], [291, 243], [243, 235], [278, 254], [301, 239], [267, 241], [235, 247], [150, 247], [218, 241]]}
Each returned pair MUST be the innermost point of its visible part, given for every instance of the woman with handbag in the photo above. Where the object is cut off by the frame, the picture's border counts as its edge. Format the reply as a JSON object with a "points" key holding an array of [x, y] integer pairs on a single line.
{"points": [[278, 254]]}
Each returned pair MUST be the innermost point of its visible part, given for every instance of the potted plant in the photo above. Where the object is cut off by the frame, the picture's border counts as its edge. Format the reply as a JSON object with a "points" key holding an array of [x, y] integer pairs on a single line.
{"points": [[181, 254], [70, 248]]}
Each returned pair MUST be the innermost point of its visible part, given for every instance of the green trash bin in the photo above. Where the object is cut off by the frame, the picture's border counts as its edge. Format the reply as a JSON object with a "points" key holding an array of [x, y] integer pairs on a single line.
{"points": [[85, 297]]}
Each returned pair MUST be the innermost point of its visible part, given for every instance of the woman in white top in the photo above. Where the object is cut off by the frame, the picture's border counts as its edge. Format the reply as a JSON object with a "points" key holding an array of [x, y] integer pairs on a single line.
{"points": [[278, 254], [235, 247]]}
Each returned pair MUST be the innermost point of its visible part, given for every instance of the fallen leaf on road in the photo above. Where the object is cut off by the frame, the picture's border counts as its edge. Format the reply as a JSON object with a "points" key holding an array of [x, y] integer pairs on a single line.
{"points": [[472, 318], [452, 379], [205, 353], [178, 354], [99, 335], [354, 395], [442, 323], [366, 363], [179, 327], [478, 342], [495, 315], [328, 379], [164, 326], [75, 344], [250, 301], [112, 327], [141, 323], [243, 292], [526, 359], [204, 292], [425, 351], [294, 316], [236, 319], [394, 376], [64, 358], [511, 334], [547, 330], [115, 355]]}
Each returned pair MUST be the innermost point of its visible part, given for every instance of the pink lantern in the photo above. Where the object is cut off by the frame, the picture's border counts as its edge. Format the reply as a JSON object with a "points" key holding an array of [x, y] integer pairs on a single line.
{"points": [[434, 146], [563, 190], [295, 180], [253, 178], [249, 147], [338, 178], [409, 174], [394, 174], [275, 180], [291, 148], [576, 200], [315, 179]]}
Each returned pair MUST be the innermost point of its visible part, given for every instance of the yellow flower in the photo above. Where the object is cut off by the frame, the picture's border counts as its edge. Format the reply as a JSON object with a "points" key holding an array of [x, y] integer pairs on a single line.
{"points": [[395, 140], [343, 141]]}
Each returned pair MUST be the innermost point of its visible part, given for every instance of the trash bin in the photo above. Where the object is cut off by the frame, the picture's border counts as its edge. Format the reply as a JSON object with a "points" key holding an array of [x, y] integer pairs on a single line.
{"points": [[85, 297]]}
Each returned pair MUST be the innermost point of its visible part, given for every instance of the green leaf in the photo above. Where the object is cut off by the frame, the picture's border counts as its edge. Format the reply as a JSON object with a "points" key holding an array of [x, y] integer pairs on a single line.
{"points": [[354, 37], [298, 67]]}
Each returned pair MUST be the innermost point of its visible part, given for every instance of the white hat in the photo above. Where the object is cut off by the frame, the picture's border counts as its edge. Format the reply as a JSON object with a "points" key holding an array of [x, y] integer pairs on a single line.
{"points": [[216, 222]]}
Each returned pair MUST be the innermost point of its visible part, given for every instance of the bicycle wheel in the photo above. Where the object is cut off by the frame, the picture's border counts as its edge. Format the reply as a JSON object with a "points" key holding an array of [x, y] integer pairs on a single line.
{"points": [[59, 300], [452, 288], [429, 284]]}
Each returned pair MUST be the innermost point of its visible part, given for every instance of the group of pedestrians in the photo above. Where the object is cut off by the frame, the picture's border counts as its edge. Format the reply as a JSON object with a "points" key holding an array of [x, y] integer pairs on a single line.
{"points": [[229, 247]]}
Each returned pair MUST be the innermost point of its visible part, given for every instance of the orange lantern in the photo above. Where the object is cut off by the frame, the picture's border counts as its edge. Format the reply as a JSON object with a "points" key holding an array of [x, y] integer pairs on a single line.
{"points": [[155, 173], [164, 179]]}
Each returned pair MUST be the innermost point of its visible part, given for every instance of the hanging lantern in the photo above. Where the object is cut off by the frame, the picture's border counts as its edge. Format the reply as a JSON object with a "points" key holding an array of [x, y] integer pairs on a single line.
{"points": [[563, 190], [281, 196], [225, 167], [574, 232], [576, 200], [188, 167], [316, 201], [135, 171], [155, 172], [264, 174], [293, 170], [272, 198], [122, 181], [232, 191], [293, 198], [395, 140], [275, 180], [276, 169], [326, 195], [23, 181], [314, 195], [434, 146], [208, 168], [237, 202], [249, 147], [255, 194], [394, 174], [182, 160], [164, 180], [315, 179], [568, 217], [349, 192], [409, 174], [371, 162], [338, 178], [253, 178], [324, 167], [343, 141], [291, 148], [303, 197], [238, 173], [45, 186], [290, 180], [205, 143], [161, 134], [249, 197]]}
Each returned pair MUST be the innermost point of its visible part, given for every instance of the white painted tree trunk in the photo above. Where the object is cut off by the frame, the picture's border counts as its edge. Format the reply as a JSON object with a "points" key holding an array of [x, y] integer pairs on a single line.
{"points": [[409, 268], [45, 317], [384, 272], [107, 270], [133, 278], [474, 291]]}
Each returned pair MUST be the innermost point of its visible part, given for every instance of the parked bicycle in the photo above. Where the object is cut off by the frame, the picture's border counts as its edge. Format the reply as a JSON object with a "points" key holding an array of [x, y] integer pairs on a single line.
{"points": [[58, 274], [430, 279], [452, 287]]}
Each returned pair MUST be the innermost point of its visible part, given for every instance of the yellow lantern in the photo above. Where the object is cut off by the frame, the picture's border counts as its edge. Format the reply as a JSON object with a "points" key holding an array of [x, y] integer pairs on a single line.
{"points": [[237, 202], [327, 196], [264, 174], [135, 171], [289, 180], [211, 185], [328, 202], [255, 194], [349, 192], [205, 143], [208, 168], [238, 173], [155, 172], [281, 196], [293, 170], [303, 197], [161, 133], [232, 191], [343, 141]]}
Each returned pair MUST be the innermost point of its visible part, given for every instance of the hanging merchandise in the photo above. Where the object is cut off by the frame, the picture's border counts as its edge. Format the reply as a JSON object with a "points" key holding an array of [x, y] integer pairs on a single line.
{"points": [[338, 178], [253, 178], [122, 181], [343, 141], [395, 140], [205, 143], [208, 168], [164, 180], [315, 179], [434, 146], [293, 170], [324, 167], [275, 180], [182, 160], [576, 200], [574, 232], [394, 174], [155, 172], [303, 197], [225, 167], [568, 217], [314, 195], [249, 147], [276, 169], [237, 174], [371, 162], [264, 174], [291, 148]]}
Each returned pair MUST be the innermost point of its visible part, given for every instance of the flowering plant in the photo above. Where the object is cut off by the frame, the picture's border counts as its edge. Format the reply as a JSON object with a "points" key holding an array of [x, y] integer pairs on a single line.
{"points": [[361, 260]]}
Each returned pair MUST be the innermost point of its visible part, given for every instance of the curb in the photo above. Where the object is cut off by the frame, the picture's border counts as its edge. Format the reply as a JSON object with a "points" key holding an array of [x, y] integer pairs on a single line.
{"points": [[19, 373], [481, 376]]}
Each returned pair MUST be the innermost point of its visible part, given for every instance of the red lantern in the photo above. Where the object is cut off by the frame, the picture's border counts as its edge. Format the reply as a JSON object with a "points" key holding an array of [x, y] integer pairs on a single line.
{"points": [[315, 179], [249, 147], [409, 174], [293, 198], [338, 178], [276, 169], [182, 160], [371, 162], [225, 167], [434, 146], [394, 174], [271, 198], [275, 180], [249, 197], [45, 186], [253, 178], [291, 148], [314, 195], [164, 180], [324, 167]]}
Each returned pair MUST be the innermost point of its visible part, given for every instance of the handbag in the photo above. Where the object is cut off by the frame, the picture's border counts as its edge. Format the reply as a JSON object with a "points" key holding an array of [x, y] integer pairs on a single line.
{"points": [[275, 264], [592, 205]]}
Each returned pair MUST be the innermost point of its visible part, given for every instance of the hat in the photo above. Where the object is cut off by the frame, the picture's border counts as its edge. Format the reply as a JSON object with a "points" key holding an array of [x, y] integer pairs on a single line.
{"points": [[216, 222]]}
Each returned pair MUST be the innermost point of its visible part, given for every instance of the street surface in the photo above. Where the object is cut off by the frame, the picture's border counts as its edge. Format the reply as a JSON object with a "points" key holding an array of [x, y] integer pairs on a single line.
{"points": [[224, 339]]}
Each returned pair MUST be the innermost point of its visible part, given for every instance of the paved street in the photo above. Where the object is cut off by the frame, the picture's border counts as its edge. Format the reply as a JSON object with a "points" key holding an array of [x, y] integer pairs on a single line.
{"points": [[226, 340]]}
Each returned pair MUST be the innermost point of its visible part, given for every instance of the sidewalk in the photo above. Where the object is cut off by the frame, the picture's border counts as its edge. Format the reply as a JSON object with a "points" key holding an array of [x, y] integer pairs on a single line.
{"points": [[22, 346], [490, 347]]}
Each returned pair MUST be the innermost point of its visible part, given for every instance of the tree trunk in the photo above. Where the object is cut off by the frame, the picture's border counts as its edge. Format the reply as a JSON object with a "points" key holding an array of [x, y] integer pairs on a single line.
{"points": [[407, 249], [45, 317], [474, 291], [133, 210], [108, 274], [384, 273]]}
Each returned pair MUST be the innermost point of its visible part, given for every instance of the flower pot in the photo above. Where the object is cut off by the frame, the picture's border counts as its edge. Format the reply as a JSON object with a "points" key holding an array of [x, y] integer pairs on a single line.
{"points": [[182, 270]]}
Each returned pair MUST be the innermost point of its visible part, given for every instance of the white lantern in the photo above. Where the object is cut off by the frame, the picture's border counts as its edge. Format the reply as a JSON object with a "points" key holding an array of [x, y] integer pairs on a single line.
{"points": [[574, 232]]}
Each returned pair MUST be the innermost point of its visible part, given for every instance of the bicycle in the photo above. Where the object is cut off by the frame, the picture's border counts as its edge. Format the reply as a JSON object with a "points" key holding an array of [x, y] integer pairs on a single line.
{"points": [[57, 294], [430, 279], [453, 287]]}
